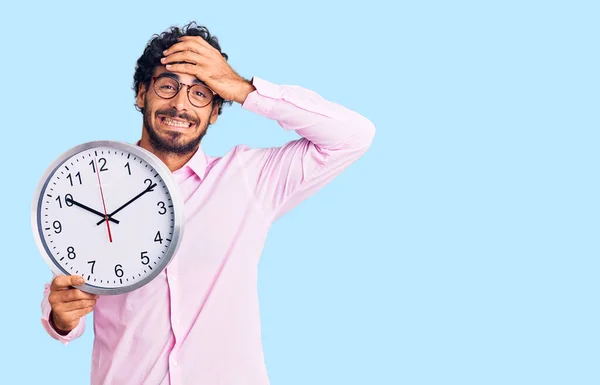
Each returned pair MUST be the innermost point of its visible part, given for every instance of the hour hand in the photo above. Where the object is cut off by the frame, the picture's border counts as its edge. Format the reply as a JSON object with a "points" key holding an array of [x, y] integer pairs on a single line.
{"points": [[91, 210]]}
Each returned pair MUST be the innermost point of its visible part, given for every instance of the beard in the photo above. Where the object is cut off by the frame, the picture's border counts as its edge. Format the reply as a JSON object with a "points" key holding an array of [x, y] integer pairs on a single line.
{"points": [[172, 142]]}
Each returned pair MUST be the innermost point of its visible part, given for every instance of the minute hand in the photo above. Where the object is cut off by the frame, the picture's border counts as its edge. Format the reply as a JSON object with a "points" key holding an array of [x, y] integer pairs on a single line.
{"points": [[147, 189]]}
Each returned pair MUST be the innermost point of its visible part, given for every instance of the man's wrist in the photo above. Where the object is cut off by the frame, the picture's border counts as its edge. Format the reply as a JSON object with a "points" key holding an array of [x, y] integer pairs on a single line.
{"points": [[60, 331], [246, 88]]}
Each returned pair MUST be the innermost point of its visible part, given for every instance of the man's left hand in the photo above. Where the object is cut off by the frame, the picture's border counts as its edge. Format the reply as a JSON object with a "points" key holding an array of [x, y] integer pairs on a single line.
{"points": [[203, 61]]}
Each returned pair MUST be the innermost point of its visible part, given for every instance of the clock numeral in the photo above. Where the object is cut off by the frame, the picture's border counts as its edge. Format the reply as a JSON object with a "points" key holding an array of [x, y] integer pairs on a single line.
{"points": [[145, 259], [128, 167], [158, 238], [149, 181], [68, 200], [119, 271], [163, 209], [93, 264], [71, 252], [102, 166], [70, 178], [57, 227]]}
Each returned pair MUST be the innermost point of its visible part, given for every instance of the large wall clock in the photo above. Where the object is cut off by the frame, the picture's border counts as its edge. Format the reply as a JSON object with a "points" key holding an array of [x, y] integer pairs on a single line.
{"points": [[110, 212]]}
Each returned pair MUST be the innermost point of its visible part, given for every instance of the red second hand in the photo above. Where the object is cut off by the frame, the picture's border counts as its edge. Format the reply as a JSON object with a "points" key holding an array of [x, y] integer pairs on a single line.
{"points": [[103, 203]]}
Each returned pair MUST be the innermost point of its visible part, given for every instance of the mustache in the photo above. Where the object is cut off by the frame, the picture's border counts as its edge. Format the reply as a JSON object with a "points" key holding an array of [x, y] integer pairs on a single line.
{"points": [[175, 114]]}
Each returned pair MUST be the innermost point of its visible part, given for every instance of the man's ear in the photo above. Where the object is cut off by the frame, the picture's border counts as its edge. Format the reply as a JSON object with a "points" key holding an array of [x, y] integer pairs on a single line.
{"points": [[141, 96], [215, 112]]}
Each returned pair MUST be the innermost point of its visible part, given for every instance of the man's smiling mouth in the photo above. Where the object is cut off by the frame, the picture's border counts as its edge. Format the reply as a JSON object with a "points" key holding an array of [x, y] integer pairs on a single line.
{"points": [[175, 123]]}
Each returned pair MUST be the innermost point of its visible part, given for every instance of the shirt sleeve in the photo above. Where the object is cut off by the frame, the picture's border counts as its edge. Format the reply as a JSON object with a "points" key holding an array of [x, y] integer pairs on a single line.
{"points": [[331, 138], [46, 309]]}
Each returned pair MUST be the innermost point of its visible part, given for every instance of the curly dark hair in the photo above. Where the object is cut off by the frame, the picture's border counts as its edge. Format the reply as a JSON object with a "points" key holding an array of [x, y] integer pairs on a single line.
{"points": [[153, 52]]}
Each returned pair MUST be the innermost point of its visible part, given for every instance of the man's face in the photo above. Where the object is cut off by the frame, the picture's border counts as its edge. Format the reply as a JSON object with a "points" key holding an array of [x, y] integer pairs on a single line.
{"points": [[174, 125]]}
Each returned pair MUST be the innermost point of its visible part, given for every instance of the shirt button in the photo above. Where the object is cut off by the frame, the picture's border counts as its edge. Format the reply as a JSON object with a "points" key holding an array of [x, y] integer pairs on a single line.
{"points": [[174, 363], [173, 278]]}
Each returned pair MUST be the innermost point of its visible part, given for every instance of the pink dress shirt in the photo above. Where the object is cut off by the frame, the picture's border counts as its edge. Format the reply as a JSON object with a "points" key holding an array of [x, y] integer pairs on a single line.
{"points": [[198, 322]]}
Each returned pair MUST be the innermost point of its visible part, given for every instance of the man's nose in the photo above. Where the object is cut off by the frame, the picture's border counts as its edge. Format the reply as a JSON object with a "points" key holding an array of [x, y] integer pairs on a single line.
{"points": [[180, 101]]}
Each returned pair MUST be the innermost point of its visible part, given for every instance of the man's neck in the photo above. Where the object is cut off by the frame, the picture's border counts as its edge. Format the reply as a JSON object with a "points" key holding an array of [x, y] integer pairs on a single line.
{"points": [[173, 161]]}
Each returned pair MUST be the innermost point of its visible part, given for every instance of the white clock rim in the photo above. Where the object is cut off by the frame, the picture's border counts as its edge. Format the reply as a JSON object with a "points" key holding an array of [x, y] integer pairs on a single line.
{"points": [[152, 160]]}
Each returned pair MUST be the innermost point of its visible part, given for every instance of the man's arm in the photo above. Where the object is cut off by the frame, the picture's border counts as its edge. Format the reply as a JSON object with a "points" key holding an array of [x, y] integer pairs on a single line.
{"points": [[332, 138], [279, 178]]}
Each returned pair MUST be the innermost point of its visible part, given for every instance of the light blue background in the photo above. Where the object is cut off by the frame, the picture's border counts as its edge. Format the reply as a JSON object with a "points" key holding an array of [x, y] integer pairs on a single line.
{"points": [[461, 249]]}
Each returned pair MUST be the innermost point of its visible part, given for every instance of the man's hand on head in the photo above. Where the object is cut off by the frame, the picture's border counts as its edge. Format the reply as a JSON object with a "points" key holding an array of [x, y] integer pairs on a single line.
{"points": [[194, 56]]}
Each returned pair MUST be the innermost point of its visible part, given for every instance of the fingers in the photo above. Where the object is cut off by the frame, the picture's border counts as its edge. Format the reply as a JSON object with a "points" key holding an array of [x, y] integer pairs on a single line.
{"points": [[191, 51], [185, 68], [69, 304], [62, 296], [63, 308], [62, 290], [197, 39], [67, 321], [67, 307], [193, 43], [64, 282], [183, 56], [77, 314]]}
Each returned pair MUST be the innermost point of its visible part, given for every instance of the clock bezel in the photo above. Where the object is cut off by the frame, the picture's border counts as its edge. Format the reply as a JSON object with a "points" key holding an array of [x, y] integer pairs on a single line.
{"points": [[159, 167]]}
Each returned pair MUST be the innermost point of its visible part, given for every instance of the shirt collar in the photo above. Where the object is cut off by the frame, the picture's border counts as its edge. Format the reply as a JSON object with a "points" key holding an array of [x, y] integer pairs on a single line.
{"points": [[196, 165]]}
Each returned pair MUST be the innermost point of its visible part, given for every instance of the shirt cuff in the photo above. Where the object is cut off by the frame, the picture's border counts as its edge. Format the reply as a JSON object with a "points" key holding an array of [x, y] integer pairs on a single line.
{"points": [[262, 100], [54, 334]]}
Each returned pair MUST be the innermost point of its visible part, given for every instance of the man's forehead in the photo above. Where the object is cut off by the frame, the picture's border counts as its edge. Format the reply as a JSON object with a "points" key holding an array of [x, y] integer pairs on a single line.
{"points": [[182, 77]]}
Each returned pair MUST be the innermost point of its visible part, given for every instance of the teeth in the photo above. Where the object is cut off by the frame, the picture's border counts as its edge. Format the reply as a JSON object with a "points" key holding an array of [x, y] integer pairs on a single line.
{"points": [[176, 123]]}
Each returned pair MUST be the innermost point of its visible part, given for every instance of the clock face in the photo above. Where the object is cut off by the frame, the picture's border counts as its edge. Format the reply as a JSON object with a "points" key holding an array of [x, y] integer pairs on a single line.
{"points": [[108, 211]]}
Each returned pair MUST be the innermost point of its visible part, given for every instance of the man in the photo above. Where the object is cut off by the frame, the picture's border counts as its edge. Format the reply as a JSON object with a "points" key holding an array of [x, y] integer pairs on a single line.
{"points": [[198, 321]]}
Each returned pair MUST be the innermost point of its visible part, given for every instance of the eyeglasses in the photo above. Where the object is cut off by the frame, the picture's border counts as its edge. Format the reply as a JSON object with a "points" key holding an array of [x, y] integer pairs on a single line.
{"points": [[198, 94]]}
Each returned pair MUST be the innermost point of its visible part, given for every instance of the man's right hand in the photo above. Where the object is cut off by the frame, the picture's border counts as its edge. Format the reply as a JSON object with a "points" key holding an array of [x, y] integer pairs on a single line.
{"points": [[68, 303]]}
